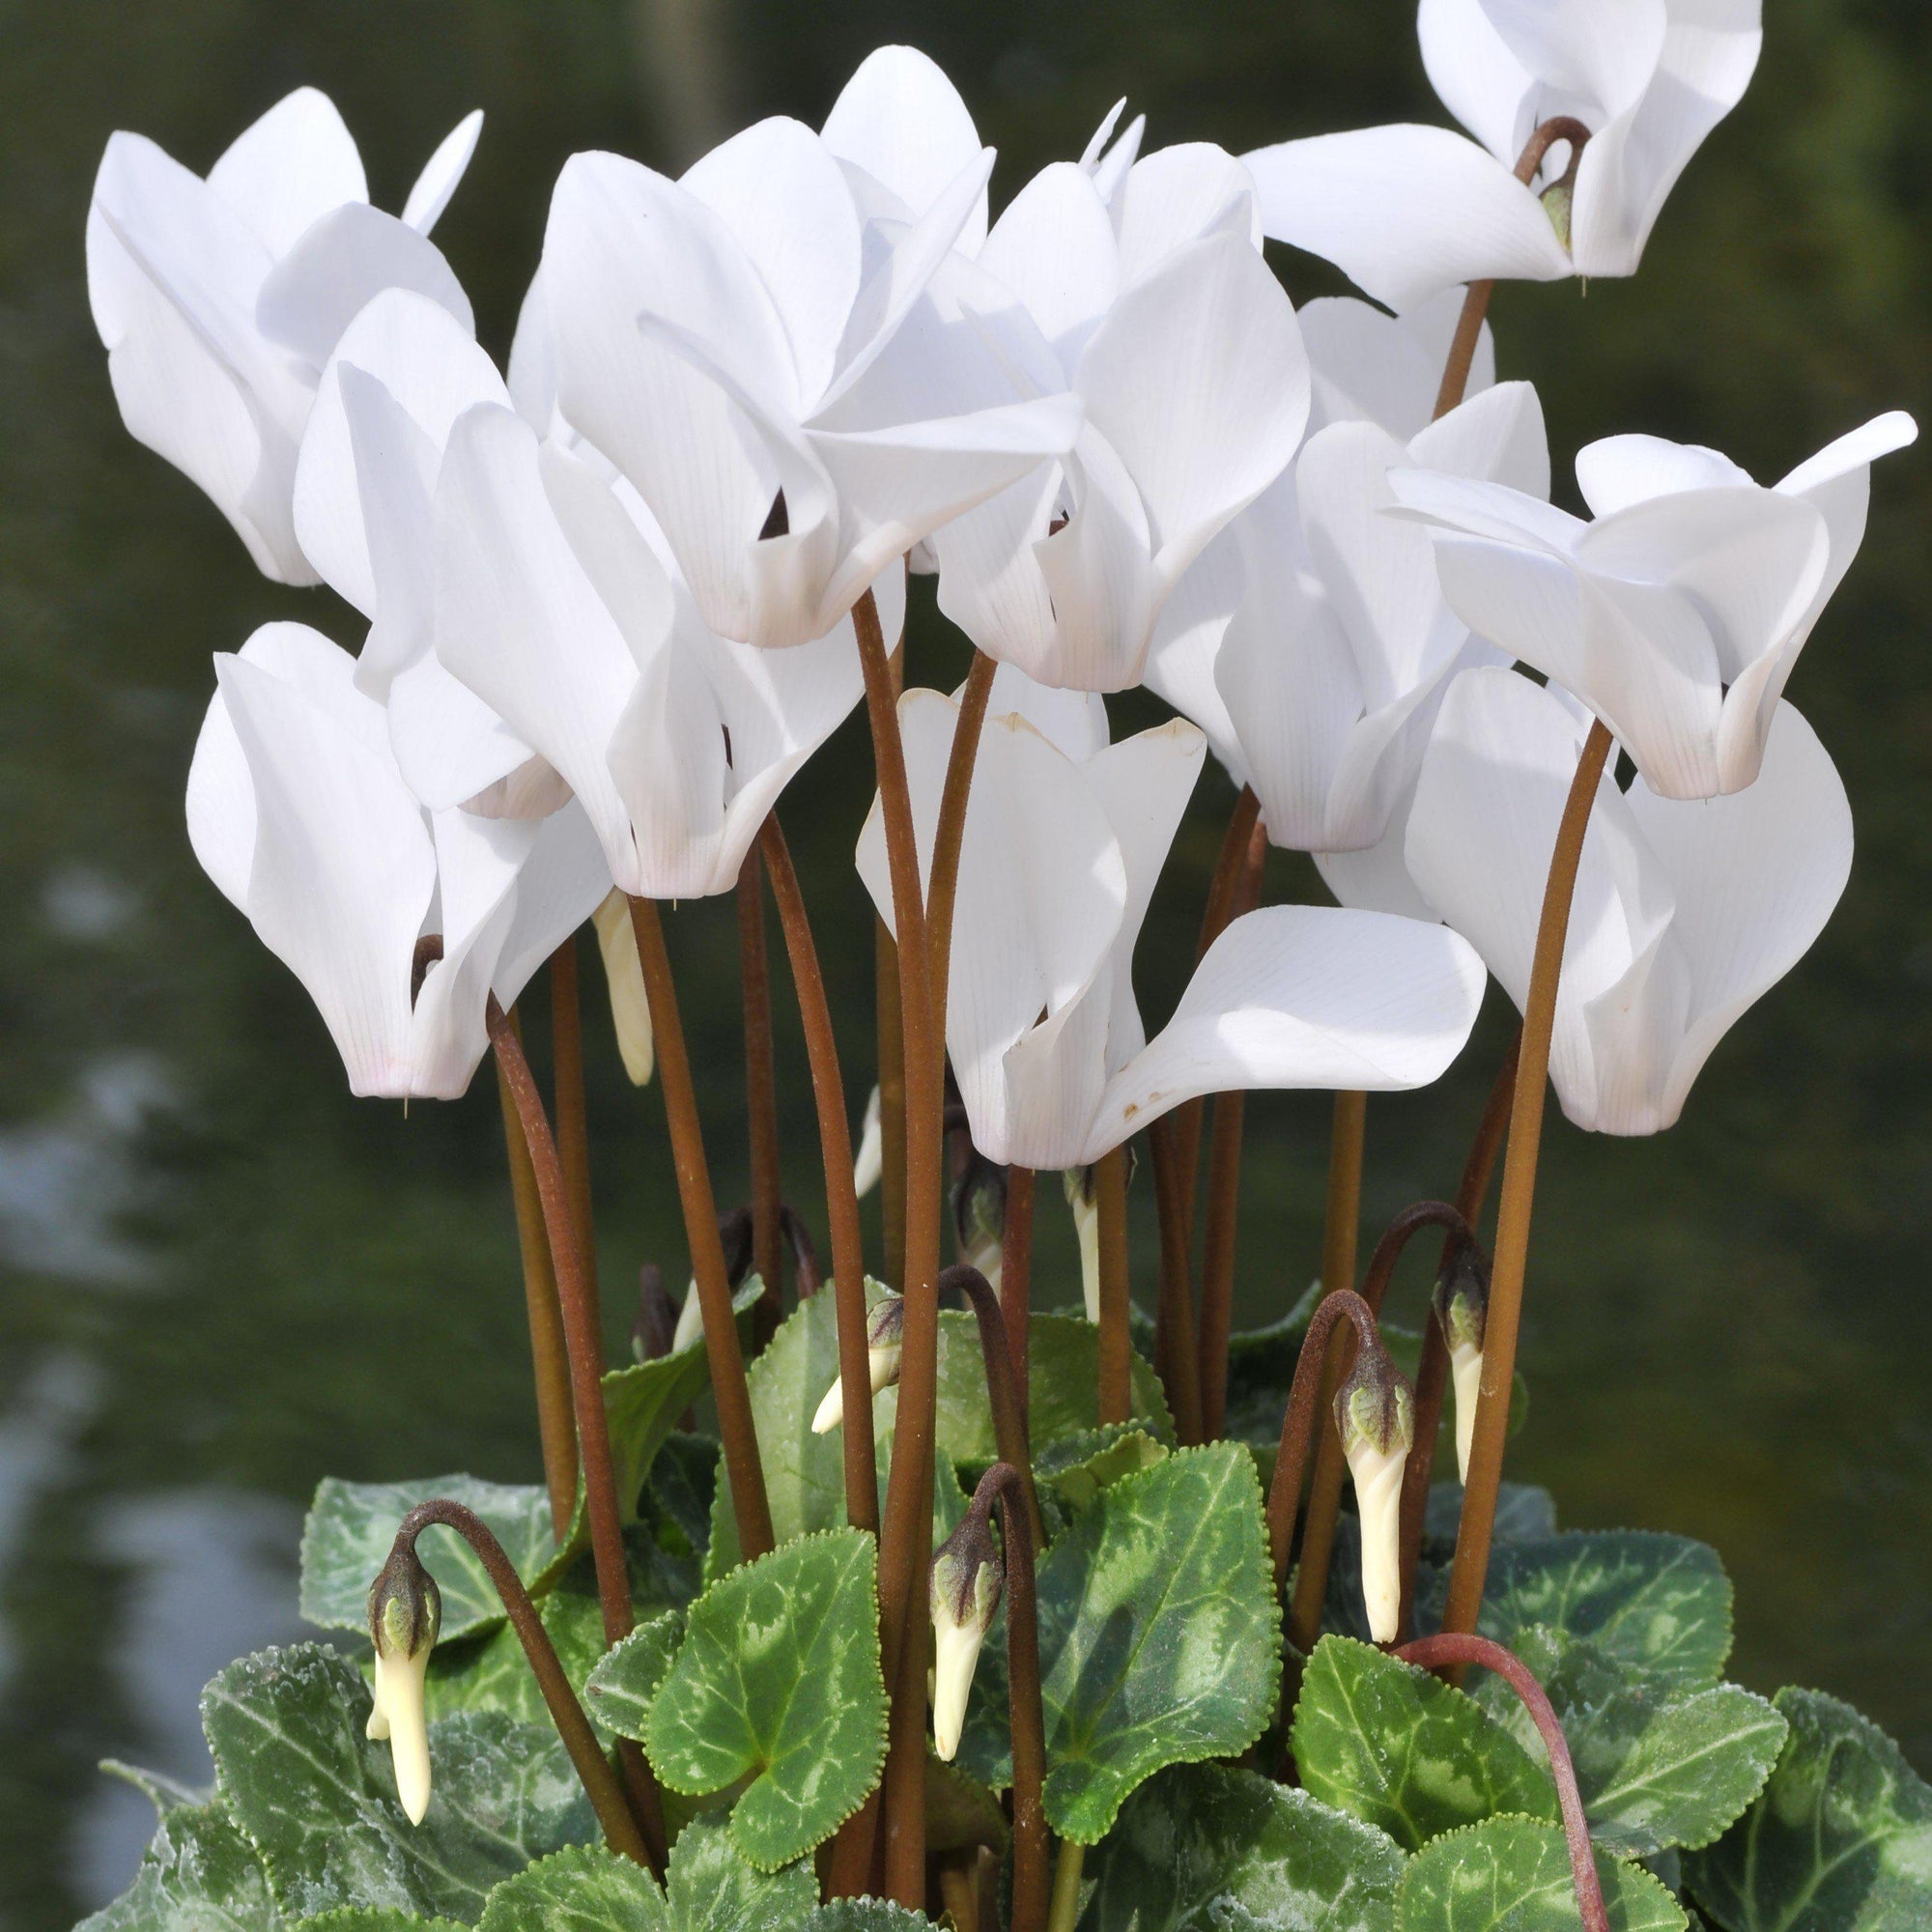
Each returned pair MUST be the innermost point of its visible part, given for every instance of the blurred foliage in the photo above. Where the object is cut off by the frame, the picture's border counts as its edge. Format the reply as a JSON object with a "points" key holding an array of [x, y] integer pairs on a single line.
{"points": [[222, 1275]]}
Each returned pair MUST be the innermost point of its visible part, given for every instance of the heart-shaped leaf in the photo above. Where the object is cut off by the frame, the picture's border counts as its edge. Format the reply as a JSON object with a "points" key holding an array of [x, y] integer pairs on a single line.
{"points": [[866, 1915], [1513, 1875], [1203, 1847], [711, 1887], [777, 1680], [198, 1873], [1840, 1840], [584, 1888], [623, 1684], [1077, 1467], [1393, 1745]]}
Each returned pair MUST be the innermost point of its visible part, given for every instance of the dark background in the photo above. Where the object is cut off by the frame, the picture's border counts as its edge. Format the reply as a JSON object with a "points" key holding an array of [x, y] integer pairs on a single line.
{"points": [[223, 1278]]}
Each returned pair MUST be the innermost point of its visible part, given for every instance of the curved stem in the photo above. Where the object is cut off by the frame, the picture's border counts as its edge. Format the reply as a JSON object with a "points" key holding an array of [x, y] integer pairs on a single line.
{"points": [[841, 1201], [892, 1101], [1009, 1430], [1175, 1357], [1430, 1653], [1016, 1276], [905, 1541], [762, 1096], [573, 1133], [1116, 1349], [1519, 1197], [943, 888], [643, 1840], [726, 1360], [1324, 1494], [583, 1343], [550, 1352]]}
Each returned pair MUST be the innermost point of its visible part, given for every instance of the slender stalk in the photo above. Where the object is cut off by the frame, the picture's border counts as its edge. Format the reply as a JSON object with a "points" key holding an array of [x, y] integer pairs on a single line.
{"points": [[1116, 1351], [1519, 1197], [1324, 1494], [1430, 1653], [905, 1543], [1224, 1183], [891, 1059], [642, 1841], [1175, 1357], [1016, 1276], [1303, 1420], [841, 1201], [1009, 1430], [943, 888], [573, 1133], [1065, 1910], [585, 1344], [761, 1095], [550, 1354], [726, 1360], [1431, 1375]]}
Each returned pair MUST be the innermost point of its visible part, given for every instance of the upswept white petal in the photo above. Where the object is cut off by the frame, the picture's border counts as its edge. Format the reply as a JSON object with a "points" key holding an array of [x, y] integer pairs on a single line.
{"points": [[1110, 170], [1054, 248], [1369, 366], [290, 168], [1186, 641], [452, 749], [1619, 471], [668, 759], [1836, 483], [1600, 55], [1182, 195], [1074, 721], [903, 122], [1497, 435], [990, 582], [429, 192], [1405, 210], [1303, 996], [1474, 73]]}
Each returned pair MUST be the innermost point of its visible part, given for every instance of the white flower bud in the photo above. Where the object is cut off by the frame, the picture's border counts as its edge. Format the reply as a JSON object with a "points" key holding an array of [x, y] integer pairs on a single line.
{"points": [[1465, 1366], [404, 1614], [630, 1007], [967, 1579], [690, 1319], [885, 1345], [1376, 1413], [1078, 1182], [1461, 1302], [870, 1162]]}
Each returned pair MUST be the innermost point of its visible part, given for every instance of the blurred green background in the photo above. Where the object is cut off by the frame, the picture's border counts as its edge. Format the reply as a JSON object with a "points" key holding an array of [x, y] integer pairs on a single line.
{"points": [[222, 1277]]}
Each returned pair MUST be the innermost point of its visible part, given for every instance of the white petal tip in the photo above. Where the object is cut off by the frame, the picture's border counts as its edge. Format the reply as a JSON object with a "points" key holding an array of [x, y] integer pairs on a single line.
{"points": [[831, 1412]]}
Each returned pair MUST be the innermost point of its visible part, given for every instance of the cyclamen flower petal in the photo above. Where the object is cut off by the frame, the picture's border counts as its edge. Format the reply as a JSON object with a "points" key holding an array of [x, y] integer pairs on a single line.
{"points": [[1685, 913], [220, 300]]}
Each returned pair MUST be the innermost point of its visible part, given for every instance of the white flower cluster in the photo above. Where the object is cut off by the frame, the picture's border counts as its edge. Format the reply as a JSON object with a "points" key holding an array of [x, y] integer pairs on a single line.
{"points": [[610, 592]]}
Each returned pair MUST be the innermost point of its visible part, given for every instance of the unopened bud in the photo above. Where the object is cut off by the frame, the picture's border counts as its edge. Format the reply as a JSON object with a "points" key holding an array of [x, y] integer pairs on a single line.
{"points": [[690, 1319], [979, 1216], [1461, 1302], [870, 1162], [884, 1345], [1078, 1182], [1556, 200], [967, 1579], [1375, 1411], [629, 1005], [404, 1614]]}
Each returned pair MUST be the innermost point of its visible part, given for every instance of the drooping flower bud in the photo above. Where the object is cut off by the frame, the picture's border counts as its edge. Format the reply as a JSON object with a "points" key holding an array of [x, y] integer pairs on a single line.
{"points": [[1375, 1410], [885, 1344], [405, 1615], [967, 1579], [870, 1162], [630, 1006], [1461, 1302], [979, 1216], [690, 1319], [1078, 1182]]}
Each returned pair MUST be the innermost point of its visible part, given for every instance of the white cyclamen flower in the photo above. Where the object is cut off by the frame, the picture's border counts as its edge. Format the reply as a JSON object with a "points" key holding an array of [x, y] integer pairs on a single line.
{"points": [[296, 811], [1407, 210], [724, 340], [1685, 912], [1060, 851], [1159, 316], [1678, 613], [220, 300]]}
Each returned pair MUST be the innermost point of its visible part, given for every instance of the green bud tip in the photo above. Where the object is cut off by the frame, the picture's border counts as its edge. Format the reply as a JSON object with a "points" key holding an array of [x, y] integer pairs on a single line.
{"points": [[405, 1616]]}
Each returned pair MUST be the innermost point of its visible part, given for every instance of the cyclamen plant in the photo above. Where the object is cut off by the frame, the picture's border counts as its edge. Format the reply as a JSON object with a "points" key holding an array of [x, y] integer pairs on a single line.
{"points": [[616, 595]]}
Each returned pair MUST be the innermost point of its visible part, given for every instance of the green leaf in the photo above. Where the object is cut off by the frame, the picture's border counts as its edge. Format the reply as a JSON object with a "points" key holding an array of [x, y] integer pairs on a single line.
{"points": [[1201, 1844], [584, 1888], [1840, 1841], [317, 1799], [199, 1874], [1656, 1767], [711, 1887], [682, 1484], [375, 1918], [867, 1914], [1079, 1466], [624, 1681], [1402, 1749], [1513, 1875], [164, 1793], [778, 1680], [1656, 1604], [351, 1526], [960, 1810], [1523, 1512], [492, 1673], [1160, 1636]]}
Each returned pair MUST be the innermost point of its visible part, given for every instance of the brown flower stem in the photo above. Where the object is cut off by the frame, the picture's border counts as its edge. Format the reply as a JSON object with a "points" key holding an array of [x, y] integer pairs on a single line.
{"points": [[1431, 1375], [583, 1343], [892, 1059], [1302, 1419], [841, 1201], [726, 1360], [1324, 1494], [1016, 1276], [641, 1839], [1476, 304], [1116, 1350], [943, 888], [1009, 1430], [1014, 1493], [572, 1132], [549, 1355], [1175, 1357], [1431, 1653], [761, 1096], [905, 1543], [1224, 1181], [1519, 1197]]}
